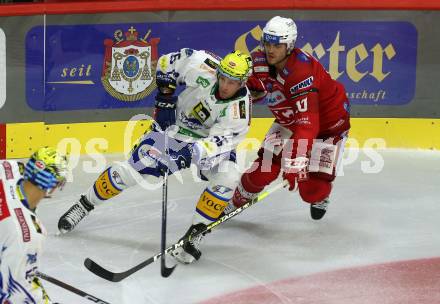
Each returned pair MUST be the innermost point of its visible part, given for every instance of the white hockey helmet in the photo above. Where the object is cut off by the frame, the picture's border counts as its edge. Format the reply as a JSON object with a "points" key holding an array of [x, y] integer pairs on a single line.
{"points": [[280, 30]]}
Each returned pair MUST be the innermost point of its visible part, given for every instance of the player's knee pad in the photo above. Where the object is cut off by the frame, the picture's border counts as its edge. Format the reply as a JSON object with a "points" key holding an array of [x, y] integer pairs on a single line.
{"points": [[210, 206], [113, 181], [224, 179], [314, 189]]}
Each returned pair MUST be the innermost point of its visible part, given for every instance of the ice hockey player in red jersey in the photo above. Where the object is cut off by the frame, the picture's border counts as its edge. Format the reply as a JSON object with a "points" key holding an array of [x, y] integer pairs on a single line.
{"points": [[312, 120]]}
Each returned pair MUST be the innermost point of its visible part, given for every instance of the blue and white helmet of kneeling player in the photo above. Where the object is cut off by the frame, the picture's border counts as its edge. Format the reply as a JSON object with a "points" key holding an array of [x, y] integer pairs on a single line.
{"points": [[280, 30]]}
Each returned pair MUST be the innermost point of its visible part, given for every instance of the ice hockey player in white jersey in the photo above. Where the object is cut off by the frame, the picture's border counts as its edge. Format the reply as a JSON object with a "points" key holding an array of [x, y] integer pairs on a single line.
{"points": [[21, 233], [204, 125]]}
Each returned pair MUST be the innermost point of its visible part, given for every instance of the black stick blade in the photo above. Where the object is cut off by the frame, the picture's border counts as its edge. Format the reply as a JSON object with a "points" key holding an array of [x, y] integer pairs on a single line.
{"points": [[166, 272], [100, 271]]}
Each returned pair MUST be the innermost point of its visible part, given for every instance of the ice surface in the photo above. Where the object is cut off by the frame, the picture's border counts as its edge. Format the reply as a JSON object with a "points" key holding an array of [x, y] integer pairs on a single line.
{"points": [[373, 218]]}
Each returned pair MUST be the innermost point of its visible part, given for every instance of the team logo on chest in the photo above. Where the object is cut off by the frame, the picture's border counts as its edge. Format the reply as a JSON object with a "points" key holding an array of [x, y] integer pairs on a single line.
{"points": [[275, 98], [129, 65]]}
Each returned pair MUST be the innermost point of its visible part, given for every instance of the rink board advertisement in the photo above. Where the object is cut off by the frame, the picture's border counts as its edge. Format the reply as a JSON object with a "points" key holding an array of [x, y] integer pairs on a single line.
{"points": [[109, 66]]}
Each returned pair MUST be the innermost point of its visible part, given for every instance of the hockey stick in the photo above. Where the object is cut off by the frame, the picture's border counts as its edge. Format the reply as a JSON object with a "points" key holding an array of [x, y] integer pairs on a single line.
{"points": [[119, 276], [164, 270], [70, 288]]}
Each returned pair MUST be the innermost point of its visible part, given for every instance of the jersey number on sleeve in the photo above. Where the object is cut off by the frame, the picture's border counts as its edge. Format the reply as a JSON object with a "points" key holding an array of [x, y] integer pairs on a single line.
{"points": [[174, 57]]}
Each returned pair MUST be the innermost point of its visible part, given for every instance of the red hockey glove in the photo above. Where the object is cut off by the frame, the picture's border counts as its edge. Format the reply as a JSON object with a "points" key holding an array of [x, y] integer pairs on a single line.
{"points": [[295, 170], [256, 86]]}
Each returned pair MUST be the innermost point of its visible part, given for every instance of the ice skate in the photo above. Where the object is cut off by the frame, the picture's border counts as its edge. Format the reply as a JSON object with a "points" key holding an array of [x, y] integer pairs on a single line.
{"points": [[190, 251], [318, 210], [74, 215]]}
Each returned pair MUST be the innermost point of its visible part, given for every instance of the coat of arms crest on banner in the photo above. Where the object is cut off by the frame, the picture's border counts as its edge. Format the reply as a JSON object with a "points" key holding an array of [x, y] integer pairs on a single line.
{"points": [[129, 69]]}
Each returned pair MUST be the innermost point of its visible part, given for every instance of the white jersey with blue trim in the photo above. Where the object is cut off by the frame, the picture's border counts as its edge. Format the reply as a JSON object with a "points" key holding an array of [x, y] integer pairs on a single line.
{"points": [[21, 240], [199, 113]]}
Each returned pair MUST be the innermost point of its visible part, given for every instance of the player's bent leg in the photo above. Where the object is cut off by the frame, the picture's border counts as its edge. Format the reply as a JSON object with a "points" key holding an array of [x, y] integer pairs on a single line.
{"points": [[213, 200], [143, 161], [254, 180], [110, 183], [326, 156], [316, 192]]}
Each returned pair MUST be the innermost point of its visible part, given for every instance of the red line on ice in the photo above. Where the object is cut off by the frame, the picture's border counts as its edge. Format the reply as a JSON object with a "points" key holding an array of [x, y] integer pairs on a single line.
{"points": [[413, 281]]}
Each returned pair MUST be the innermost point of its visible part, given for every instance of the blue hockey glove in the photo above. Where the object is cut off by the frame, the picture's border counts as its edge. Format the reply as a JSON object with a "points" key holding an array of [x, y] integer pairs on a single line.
{"points": [[166, 82], [176, 160], [165, 112]]}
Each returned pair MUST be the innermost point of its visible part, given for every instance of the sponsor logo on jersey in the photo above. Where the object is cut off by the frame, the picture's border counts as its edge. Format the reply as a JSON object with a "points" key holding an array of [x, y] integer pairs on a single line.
{"points": [[129, 65], [302, 85], [8, 170], [212, 64], [104, 187], [223, 112], [37, 224], [221, 189], [326, 158], [302, 121], [203, 82], [257, 59], [215, 56], [235, 111], [2, 68], [261, 69], [4, 210], [31, 258], [147, 152], [211, 205], [190, 122], [117, 178], [275, 98], [25, 232], [12, 191], [242, 106], [200, 112]]}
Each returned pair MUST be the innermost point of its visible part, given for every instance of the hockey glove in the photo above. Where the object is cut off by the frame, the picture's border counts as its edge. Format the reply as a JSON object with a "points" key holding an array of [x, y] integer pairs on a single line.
{"points": [[176, 160], [166, 82], [256, 86], [165, 111], [295, 170]]}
